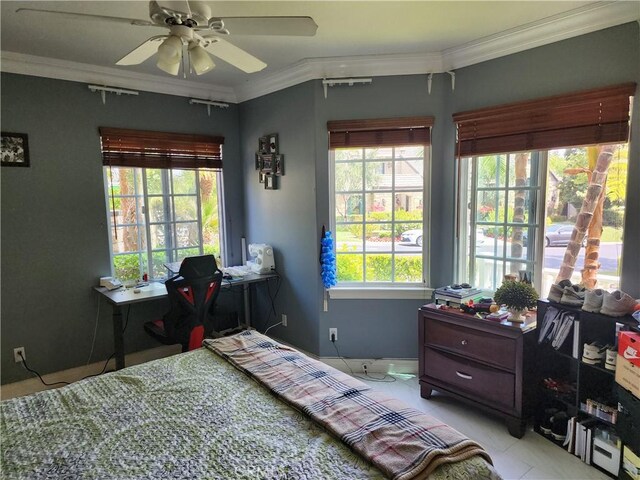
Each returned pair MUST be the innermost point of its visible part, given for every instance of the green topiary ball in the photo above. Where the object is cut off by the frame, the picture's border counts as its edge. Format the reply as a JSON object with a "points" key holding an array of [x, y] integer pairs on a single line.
{"points": [[518, 295]]}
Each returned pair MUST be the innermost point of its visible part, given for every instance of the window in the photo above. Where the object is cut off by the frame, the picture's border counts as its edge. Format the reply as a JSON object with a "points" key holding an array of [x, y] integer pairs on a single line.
{"points": [[162, 206], [532, 202], [502, 197], [379, 172]]}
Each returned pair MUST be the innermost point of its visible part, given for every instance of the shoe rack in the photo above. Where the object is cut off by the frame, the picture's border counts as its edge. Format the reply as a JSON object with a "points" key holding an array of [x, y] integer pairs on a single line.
{"points": [[566, 383]]}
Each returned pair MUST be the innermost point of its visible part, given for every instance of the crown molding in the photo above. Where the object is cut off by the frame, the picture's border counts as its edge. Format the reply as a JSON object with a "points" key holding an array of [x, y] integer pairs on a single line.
{"points": [[587, 19], [580, 21], [12, 62], [341, 67]]}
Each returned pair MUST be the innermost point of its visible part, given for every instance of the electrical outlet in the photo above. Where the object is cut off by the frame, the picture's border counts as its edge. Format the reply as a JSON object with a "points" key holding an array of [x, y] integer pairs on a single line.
{"points": [[284, 320], [365, 368], [16, 354], [333, 334]]}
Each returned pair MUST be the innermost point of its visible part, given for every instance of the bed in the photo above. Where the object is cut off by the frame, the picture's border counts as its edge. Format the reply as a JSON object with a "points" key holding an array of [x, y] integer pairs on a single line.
{"points": [[243, 407]]}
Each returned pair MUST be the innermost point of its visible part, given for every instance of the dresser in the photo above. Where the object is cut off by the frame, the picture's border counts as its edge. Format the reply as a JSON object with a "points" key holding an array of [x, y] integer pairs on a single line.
{"points": [[486, 363]]}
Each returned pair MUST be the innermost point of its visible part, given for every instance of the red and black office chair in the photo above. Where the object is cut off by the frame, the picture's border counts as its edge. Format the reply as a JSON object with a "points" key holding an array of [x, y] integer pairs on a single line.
{"points": [[192, 293]]}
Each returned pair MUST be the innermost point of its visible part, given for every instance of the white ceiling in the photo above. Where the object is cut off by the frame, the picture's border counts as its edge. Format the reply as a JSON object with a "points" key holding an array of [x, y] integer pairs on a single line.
{"points": [[386, 37]]}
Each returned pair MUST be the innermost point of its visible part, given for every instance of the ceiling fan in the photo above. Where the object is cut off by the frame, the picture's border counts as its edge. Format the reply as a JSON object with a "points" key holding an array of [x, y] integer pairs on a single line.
{"points": [[191, 24]]}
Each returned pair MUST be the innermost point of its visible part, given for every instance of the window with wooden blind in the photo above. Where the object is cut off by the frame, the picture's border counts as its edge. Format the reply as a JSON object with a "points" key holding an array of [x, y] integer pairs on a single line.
{"points": [[379, 173], [529, 172], [164, 203]]}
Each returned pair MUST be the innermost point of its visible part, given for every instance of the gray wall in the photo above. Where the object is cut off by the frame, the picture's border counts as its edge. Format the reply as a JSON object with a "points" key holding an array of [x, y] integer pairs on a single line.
{"points": [[54, 225], [387, 328], [286, 217]]}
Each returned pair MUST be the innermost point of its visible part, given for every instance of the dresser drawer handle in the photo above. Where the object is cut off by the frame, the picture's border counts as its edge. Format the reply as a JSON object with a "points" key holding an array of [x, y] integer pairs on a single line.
{"points": [[464, 342], [464, 375]]}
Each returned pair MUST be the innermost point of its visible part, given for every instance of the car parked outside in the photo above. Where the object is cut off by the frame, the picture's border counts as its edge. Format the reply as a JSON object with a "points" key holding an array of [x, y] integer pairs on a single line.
{"points": [[556, 235], [413, 237]]}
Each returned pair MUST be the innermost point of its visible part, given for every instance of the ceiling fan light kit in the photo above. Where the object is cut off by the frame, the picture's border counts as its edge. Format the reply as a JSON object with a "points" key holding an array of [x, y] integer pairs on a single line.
{"points": [[185, 21], [201, 61], [169, 67]]}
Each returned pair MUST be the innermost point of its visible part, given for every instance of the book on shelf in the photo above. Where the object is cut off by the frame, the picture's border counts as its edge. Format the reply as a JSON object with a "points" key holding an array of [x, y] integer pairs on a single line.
{"points": [[585, 439], [576, 339], [570, 440]]}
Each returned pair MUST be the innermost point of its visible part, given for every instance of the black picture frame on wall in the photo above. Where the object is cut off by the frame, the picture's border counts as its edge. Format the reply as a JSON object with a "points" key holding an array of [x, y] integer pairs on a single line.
{"points": [[273, 143], [267, 163], [15, 150], [263, 145], [270, 182], [278, 168]]}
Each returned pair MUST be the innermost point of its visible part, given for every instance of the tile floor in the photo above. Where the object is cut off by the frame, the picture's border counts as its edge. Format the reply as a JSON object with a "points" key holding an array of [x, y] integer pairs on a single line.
{"points": [[531, 457]]}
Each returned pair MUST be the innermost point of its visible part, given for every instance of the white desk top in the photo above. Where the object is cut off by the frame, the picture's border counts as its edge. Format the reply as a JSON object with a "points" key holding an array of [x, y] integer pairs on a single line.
{"points": [[155, 290], [125, 296]]}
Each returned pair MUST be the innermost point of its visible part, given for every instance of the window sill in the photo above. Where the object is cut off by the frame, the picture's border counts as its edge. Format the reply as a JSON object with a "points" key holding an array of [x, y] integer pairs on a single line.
{"points": [[380, 293]]}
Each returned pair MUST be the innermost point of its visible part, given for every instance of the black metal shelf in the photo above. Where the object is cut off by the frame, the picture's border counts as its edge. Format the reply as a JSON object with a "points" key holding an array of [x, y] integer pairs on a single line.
{"points": [[591, 381], [600, 369]]}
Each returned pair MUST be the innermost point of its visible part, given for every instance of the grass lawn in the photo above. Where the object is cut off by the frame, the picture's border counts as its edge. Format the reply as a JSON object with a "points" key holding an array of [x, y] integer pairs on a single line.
{"points": [[611, 234]]}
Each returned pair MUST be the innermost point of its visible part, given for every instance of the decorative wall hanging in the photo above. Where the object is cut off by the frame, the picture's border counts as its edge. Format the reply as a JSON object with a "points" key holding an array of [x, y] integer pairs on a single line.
{"points": [[269, 162], [15, 150]]}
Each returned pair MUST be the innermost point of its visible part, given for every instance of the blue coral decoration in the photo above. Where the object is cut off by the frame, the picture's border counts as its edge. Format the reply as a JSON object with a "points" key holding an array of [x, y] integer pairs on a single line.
{"points": [[328, 261]]}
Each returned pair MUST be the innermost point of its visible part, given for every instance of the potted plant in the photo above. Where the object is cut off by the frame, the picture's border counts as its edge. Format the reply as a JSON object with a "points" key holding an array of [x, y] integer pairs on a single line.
{"points": [[518, 297]]}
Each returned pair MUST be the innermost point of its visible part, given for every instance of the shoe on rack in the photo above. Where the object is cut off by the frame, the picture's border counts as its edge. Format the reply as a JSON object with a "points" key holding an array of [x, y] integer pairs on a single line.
{"points": [[545, 424], [593, 300], [555, 292], [610, 362], [573, 296], [593, 353], [617, 304], [559, 426]]}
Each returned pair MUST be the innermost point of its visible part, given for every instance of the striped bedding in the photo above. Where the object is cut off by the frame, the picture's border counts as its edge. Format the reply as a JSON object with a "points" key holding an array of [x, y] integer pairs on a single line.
{"points": [[403, 442]]}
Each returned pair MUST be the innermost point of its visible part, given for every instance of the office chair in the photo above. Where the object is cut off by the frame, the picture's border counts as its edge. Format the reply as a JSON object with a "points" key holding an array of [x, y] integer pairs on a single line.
{"points": [[192, 293]]}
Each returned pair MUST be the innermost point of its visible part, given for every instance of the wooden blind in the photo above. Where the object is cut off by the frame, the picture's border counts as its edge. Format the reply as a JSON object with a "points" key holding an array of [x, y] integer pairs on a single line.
{"points": [[584, 118], [381, 132], [138, 148]]}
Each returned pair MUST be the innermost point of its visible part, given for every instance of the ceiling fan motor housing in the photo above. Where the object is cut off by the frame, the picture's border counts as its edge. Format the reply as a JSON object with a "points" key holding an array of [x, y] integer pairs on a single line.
{"points": [[197, 13]]}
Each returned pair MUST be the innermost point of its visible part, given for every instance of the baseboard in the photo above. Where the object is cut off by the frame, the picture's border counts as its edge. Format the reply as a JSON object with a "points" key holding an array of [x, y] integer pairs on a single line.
{"points": [[379, 365], [374, 365], [32, 385]]}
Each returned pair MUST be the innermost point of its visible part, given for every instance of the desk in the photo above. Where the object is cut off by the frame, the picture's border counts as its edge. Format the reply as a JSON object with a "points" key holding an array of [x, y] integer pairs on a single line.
{"points": [[154, 291]]}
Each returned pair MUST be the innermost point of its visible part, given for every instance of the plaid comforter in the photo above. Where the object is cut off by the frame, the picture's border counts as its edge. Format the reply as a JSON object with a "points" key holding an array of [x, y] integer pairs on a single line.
{"points": [[403, 442]]}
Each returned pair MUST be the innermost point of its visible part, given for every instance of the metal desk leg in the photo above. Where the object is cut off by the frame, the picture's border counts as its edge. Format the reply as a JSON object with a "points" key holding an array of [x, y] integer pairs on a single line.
{"points": [[118, 337]]}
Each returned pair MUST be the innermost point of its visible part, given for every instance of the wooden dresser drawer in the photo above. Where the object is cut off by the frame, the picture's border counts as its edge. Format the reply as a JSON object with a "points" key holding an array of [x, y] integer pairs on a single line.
{"points": [[486, 384], [486, 347]]}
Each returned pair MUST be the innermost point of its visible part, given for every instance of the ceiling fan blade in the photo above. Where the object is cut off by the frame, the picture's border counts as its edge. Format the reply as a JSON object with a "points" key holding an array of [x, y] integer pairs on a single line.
{"points": [[87, 16], [235, 56], [298, 26], [142, 52]]}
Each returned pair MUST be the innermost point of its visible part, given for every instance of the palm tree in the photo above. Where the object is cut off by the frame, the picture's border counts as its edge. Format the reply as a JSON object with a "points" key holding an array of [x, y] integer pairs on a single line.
{"points": [[521, 160], [591, 208]]}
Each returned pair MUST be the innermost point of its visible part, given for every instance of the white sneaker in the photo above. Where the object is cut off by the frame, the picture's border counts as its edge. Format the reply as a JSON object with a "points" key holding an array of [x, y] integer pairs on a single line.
{"points": [[610, 363], [593, 300], [555, 292], [573, 296], [593, 353], [617, 304]]}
